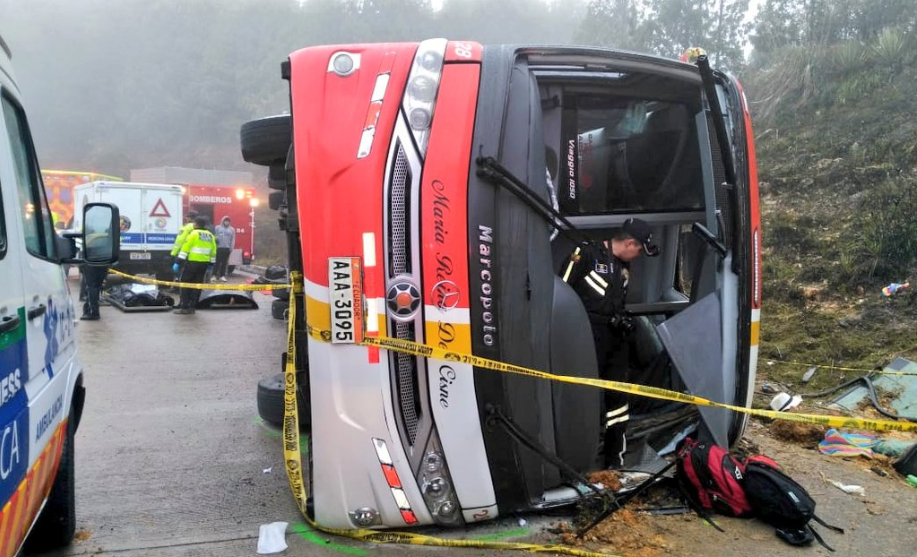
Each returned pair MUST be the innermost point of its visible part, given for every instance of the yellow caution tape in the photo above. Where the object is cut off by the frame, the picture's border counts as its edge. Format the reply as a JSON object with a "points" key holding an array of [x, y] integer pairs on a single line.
{"points": [[292, 450], [426, 351], [877, 371], [201, 286], [292, 457]]}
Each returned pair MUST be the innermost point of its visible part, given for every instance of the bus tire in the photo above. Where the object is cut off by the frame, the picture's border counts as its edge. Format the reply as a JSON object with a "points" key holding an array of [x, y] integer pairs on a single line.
{"points": [[279, 309], [266, 140], [57, 523], [270, 400]]}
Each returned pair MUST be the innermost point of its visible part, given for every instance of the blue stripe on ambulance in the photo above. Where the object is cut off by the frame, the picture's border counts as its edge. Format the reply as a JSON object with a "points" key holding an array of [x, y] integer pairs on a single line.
{"points": [[144, 238], [14, 411]]}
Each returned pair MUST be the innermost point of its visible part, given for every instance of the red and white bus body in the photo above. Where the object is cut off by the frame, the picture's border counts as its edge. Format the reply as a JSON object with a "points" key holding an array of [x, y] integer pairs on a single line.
{"points": [[400, 237]]}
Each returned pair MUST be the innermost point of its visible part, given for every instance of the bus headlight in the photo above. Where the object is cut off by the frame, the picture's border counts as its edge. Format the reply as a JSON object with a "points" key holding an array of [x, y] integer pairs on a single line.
{"points": [[419, 100], [436, 485], [420, 119]]}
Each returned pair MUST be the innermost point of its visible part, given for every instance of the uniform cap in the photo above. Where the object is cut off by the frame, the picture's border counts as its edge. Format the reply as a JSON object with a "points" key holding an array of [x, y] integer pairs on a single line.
{"points": [[640, 231]]}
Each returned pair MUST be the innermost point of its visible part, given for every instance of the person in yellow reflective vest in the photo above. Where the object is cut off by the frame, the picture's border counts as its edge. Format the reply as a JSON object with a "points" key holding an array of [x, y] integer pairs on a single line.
{"points": [[197, 254], [182, 234]]}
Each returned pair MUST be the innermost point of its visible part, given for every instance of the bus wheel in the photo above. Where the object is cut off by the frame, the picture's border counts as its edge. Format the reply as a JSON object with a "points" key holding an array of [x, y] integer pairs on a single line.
{"points": [[266, 140], [270, 400], [279, 309]]}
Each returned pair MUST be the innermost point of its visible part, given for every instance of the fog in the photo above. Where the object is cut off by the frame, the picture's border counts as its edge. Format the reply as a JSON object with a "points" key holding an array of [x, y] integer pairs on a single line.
{"points": [[112, 85]]}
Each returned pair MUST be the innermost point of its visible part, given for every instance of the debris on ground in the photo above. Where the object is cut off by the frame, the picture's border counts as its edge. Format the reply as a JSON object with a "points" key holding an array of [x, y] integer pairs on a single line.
{"points": [[907, 464], [625, 532], [608, 479], [807, 435], [837, 443], [769, 388], [895, 391], [848, 488], [783, 401], [272, 538], [874, 508], [892, 447], [895, 288], [82, 535], [807, 376]]}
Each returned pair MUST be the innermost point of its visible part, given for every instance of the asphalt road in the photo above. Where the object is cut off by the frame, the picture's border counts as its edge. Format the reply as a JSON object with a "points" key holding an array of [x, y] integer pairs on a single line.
{"points": [[172, 458]]}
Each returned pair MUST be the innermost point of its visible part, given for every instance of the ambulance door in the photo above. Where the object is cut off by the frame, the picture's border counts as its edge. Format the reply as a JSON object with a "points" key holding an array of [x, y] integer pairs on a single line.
{"points": [[47, 311], [14, 415]]}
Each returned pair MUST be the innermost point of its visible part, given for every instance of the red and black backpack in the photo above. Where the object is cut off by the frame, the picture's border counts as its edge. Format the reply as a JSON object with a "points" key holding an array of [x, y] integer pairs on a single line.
{"points": [[781, 502], [712, 479]]}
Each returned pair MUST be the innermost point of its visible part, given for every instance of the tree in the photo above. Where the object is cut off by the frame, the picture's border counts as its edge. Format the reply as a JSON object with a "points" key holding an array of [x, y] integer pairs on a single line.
{"points": [[611, 23], [671, 26]]}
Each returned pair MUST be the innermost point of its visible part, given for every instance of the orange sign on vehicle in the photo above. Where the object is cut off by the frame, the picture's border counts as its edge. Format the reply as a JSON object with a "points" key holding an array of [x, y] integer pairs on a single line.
{"points": [[160, 210]]}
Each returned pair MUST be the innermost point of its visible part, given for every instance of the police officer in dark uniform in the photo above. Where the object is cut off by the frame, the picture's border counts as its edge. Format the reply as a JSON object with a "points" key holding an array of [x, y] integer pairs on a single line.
{"points": [[92, 278], [600, 274]]}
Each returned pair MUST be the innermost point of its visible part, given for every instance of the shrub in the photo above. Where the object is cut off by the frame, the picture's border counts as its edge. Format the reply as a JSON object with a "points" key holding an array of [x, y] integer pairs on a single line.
{"points": [[849, 57], [886, 230], [890, 48]]}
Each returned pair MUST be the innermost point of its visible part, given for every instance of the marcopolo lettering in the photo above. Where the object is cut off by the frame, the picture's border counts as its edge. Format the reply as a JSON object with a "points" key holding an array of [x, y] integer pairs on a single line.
{"points": [[485, 250]]}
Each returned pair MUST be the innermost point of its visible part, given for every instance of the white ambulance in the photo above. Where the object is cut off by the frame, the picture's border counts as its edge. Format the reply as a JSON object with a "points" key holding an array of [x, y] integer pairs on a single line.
{"points": [[151, 216], [41, 379]]}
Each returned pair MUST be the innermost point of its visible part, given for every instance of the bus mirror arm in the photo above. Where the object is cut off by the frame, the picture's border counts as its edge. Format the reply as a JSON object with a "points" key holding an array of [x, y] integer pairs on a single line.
{"points": [[704, 234]]}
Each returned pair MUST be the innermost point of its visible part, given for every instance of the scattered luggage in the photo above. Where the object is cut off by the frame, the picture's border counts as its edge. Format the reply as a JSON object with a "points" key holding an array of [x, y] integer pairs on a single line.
{"points": [[275, 272], [713, 480], [780, 501]]}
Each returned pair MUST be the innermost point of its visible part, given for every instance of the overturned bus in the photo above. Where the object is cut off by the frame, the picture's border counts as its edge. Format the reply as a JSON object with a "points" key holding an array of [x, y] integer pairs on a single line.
{"points": [[422, 187]]}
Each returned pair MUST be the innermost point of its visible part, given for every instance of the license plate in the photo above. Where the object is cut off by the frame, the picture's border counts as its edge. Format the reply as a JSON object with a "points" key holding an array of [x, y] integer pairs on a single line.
{"points": [[345, 286], [142, 255]]}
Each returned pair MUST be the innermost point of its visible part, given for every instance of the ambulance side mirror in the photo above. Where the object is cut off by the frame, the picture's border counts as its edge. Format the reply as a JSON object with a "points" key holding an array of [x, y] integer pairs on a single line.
{"points": [[100, 238]]}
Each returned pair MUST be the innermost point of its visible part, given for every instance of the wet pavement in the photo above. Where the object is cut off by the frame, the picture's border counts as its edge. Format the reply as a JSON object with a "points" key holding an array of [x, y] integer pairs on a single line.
{"points": [[172, 458]]}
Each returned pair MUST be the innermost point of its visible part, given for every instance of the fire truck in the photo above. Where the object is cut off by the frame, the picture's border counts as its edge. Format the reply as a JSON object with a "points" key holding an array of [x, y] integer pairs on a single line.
{"points": [[214, 194], [59, 186], [431, 192], [237, 203]]}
